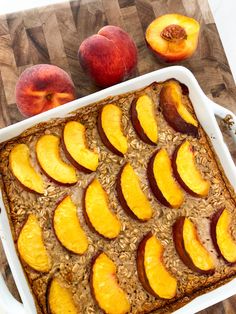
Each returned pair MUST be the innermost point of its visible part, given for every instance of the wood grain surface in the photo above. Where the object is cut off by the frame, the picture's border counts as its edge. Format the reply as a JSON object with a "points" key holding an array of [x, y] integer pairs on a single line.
{"points": [[53, 34]]}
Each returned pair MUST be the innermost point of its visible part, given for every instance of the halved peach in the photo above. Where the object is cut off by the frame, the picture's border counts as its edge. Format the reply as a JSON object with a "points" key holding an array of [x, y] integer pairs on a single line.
{"points": [[189, 247], [60, 299], [222, 238], [173, 37], [110, 129], [131, 196], [67, 227], [175, 111], [75, 147], [186, 171], [48, 155], [105, 287], [21, 167], [144, 120], [31, 247], [154, 276], [162, 182], [97, 211]]}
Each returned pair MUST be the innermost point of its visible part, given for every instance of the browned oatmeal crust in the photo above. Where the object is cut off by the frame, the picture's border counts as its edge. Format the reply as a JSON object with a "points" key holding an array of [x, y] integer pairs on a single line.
{"points": [[74, 270]]}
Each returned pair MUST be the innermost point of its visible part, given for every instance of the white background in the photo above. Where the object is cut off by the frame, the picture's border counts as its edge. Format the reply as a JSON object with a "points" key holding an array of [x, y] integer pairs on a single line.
{"points": [[224, 12]]}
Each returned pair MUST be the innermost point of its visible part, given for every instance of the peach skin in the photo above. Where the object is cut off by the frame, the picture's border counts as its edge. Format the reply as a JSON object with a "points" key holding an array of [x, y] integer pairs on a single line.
{"points": [[43, 87], [109, 56]]}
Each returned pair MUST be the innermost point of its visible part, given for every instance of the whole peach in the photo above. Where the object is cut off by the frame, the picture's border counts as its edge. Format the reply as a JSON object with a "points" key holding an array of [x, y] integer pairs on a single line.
{"points": [[42, 87], [109, 57]]}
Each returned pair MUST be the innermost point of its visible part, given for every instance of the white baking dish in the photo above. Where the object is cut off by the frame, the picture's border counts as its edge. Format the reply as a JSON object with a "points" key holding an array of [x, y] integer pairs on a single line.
{"points": [[205, 110]]}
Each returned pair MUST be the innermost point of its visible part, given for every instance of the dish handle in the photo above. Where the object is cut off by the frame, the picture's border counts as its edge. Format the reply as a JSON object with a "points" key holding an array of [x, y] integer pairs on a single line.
{"points": [[8, 304], [228, 116]]}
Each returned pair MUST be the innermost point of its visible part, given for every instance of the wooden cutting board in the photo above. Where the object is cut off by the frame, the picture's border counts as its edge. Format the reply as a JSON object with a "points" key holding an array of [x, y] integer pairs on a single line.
{"points": [[53, 34]]}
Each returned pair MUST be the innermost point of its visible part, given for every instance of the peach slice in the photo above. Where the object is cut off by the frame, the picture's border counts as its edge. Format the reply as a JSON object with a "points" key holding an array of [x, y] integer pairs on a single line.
{"points": [[175, 111], [31, 247], [131, 196], [105, 287], [21, 167], [173, 37], [60, 299], [186, 171], [97, 212], [189, 247], [221, 236], [75, 147], [110, 129], [152, 272], [67, 227], [144, 120], [162, 182], [48, 155]]}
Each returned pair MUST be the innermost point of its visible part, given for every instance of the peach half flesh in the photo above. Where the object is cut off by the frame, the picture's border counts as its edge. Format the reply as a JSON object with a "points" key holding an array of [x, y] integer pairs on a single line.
{"points": [[105, 287], [60, 299], [189, 247], [173, 37], [222, 238], [152, 272], [175, 111], [21, 167], [131, 196], [144, 120], [97, 211], [162, 181], [187, 173], [75, 147], [31, 247], [48, 155], [110, 129], [67, 227]]}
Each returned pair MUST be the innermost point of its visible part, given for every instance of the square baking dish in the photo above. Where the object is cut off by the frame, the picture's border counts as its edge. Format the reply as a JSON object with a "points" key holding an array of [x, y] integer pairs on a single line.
{"points": [[205, 109]]}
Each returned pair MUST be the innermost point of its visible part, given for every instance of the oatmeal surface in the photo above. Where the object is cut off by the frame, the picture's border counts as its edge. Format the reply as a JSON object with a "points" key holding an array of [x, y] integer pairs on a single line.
{"points": [[74, 270]]}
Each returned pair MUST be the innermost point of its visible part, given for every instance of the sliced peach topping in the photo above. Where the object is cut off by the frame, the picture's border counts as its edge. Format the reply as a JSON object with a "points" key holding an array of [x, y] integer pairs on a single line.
{"points": [[60, 299], [222, 237], [131, 196], [31, 247], [152, 272], [189, 247], [106, 290], [21, 167], [194, 248], [97, 211], [175, 110], [162, 181], [67, 227], [144, 120], [187, 173], [48, 155], [76, 148], [110, 129]]}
